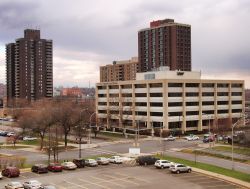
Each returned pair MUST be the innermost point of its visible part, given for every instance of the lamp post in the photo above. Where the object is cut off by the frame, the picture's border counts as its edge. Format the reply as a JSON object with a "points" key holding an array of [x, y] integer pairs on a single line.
{"points": [[90, 126], [234, 125], [79, 133]]}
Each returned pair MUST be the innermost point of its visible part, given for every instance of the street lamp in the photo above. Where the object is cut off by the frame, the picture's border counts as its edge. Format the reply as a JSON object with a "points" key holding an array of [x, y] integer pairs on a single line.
{"points": [[209, 137], [234, 125], [90, 126], [79, 133]]}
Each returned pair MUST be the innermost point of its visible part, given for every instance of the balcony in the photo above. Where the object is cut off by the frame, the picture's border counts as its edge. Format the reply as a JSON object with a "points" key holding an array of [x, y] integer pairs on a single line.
{"points": [[175, 99], [114, 91], [175, 89], [236, 98], [140, 90], [237, 106], [192, 117], [222, 98], [102, 99], [192, 89], [192, 108], [208, 107], [208, 89], [222, 107], [175, 109], [156, 99], [192, 99], [126, 90], [141, 99], [156, 109], [155, 90]]}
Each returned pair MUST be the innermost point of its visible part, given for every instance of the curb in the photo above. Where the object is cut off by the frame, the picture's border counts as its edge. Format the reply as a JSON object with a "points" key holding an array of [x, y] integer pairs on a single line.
{"points": [[223, 177], [25, 170]]}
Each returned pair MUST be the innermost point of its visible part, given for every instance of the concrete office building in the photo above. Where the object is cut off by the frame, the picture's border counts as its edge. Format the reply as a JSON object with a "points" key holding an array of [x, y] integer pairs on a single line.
{"points": [[119, 71], [165, 43], [170, 99], [29, 67]]}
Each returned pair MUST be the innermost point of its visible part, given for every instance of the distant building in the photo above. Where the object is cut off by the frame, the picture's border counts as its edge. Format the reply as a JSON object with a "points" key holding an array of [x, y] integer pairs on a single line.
{"points": [[72, 92], [119, 70], [2, 90], [172, 100], [165, 43], [29, 67]]}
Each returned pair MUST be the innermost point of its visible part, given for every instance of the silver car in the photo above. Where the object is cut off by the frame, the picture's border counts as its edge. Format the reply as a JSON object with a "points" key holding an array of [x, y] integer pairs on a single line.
{"points": [[180, 168], [102, 161], [14, 185], [91, 163], [32, 184]]}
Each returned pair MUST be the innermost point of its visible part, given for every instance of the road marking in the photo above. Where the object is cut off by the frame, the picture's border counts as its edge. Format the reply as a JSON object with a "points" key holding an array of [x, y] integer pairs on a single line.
{"points": [[123, 179], [93, 183], [75, 184], [102, 180], [61, 187], [136, 178]]}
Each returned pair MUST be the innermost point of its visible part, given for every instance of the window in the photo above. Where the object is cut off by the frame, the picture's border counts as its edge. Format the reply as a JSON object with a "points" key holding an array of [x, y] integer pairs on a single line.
{"points": [[155, 85], [192, 94], [237, 102], [207, 103], [174, 84], [158, 114], [173, 104], [102, 95], [126, 94], [236, 110], [113, 95], [207, 94], [114, 87], [141, 104], [222, 85], [156, 104], [174, 94], [102, 103], [192, 103], [236, 85], [141, 113], [209, 85], [140, 86], [236, 93], [222, 102], [192, 84], [222, 111], [192, 113], [155, 94], [140, 94]]}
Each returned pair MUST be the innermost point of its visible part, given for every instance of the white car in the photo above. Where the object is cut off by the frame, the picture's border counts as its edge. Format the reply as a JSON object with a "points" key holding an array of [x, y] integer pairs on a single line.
{"points": [[191, 138], [28, 138], [14, 185], [115, 159], [9, 134], [91, 163], [1, 176], [180, 168], [170, 138], [32, 184], [69, 165], [163, 164]]}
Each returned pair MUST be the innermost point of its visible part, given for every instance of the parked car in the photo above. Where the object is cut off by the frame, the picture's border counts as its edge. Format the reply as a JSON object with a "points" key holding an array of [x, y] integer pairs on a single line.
{"points": [[207, 140], [180, 168], [102, 161], [146, 160], [68, 165], [163, 164], [49, 187], [191, 138], [80, 163], [91, 163], [39, 168], [115, 159], [3, 133], [14, 185], [28, 138], [55, 167], [9, 134], [32, 184], [1, 176], [170, 138], [11, 172]]}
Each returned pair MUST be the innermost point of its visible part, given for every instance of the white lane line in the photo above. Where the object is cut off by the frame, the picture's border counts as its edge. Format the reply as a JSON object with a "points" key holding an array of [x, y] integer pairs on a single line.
{"points": [[136, 178], [103, 180], [123, 179], [53, 184], [75, 184], [93, 183]]}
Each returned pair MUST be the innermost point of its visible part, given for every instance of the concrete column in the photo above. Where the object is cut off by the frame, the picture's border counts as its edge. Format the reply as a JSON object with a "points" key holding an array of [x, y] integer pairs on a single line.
{"points": [[108, 109], [121, 100], [165, 104], [183, 125], [148, 107], [215, 106], [230, 104], [133, 106], [200, 108]]}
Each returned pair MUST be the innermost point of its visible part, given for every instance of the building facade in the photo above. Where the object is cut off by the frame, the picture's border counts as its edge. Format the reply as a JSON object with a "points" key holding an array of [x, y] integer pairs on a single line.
{"points": [[29, 67], [119, 70], [172, 100], [165, 43]]}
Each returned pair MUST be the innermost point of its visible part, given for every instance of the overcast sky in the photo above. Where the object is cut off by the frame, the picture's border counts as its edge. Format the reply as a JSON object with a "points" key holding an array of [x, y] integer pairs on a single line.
{"points": [[87, 34]]}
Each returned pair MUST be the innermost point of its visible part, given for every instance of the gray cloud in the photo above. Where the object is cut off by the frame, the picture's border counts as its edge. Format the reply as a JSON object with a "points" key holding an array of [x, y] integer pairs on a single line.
{"points": [[97, 32]]}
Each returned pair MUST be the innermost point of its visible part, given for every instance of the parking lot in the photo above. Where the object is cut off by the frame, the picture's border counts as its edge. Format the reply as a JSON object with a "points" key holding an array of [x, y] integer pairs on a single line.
{"points": [[123, 176]]}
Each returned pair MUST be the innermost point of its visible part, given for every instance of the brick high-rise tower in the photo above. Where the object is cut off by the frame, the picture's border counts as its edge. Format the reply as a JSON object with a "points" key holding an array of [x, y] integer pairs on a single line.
{"points": [[29, 67], [165, 43]]}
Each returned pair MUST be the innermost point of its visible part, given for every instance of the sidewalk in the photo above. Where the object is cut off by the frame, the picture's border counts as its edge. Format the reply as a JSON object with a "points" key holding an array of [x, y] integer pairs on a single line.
{"points": [[223, 177]]}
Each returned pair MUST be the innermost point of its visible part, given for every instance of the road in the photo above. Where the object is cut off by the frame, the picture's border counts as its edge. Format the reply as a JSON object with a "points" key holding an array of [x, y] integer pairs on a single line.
{"points": [[125, 177], [146, 147]]}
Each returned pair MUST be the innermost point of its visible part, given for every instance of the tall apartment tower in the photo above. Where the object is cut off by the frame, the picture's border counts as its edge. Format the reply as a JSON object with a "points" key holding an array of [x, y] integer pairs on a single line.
{"points": [[165, 43], [29, 67]]}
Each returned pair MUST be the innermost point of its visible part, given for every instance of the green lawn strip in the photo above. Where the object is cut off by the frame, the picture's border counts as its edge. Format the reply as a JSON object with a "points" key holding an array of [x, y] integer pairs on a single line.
{"points": [[211, 168], [204, 153], [33, 142], [238, 150], [14, 147]]}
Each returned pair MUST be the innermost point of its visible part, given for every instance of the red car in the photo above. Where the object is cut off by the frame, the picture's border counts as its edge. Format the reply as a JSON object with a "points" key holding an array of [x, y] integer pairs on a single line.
{"points": [[11, 172], [55, 167]]}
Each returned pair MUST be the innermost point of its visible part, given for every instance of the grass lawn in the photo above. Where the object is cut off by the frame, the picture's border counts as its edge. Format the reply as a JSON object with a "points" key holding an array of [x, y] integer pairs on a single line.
{"points": [[33, 142], [238, 150], [14, 147], [211, 168]]}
